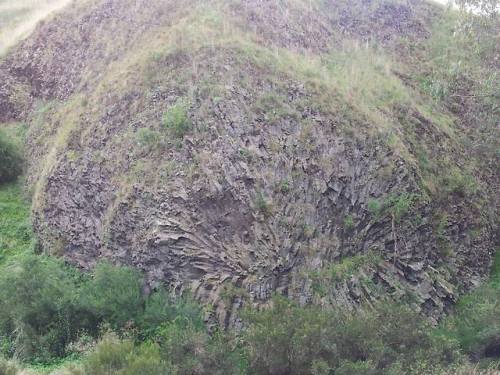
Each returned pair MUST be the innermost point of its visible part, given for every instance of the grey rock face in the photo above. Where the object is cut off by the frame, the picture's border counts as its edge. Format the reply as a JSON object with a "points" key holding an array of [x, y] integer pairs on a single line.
{"points": [[255, 198]]}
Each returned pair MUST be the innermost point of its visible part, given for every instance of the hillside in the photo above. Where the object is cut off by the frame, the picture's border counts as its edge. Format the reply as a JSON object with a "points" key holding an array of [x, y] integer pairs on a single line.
{"points": [[337, 153], [18, 19], [210, 150]]}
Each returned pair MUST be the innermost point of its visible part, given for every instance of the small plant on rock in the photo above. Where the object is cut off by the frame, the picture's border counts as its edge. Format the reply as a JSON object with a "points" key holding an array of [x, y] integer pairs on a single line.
{"points": [[176, 119], [349, 223], [148, 139], [285, 186], [263, 205]]}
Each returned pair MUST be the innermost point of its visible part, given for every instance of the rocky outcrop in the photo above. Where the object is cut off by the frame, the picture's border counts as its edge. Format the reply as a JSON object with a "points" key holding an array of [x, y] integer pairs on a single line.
{"points": [[274, 182]]}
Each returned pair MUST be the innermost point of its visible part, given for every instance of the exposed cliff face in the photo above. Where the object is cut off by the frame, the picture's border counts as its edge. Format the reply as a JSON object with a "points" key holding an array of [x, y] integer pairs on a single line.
{"points": [[242, 148]]}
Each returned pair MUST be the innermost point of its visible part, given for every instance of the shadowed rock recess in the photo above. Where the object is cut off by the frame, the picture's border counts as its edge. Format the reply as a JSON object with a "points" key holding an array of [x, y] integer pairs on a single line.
{"points": [[237, 149]]}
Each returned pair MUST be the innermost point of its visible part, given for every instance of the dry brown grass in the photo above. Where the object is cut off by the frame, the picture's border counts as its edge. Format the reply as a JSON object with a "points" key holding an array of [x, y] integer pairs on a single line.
{"points": [[18, 18]]}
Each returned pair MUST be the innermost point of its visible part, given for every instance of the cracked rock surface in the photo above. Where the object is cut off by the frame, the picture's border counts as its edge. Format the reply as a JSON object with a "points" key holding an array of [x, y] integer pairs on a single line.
{"points": [[266, 193]]}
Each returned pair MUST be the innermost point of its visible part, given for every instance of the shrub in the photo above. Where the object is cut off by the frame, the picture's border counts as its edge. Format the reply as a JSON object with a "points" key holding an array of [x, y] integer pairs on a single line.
{"points": [[284, 186], [399, 205], [8, 367], [160, 308], [37, 307], [184, 345], [349, 222], [113, 294], [459, 182], [476, 322], [225, 354], [10, 159], [45, 306], [15, 228], [393, 339], [287, 339], [115, 356], [176, 119], [184, 340], [183, 349], [375, 208], [146, 360], [386, 339], [109, 356]]}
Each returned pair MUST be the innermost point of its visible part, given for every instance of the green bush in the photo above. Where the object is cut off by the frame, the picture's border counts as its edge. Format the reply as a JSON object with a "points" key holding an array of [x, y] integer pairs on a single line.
{"points": [[176, 119], [349, 222], [179, 349], [375, 208], [161, 308], [184, 345], [37, 308], [286, 339], [192, 350], [476, 322], [113, 294], [120, 356], [459, 182], [45, 305], [15, 227], [10, 159], [109, 356], [177, 325], [263, 205], [399, 205], [386, 339]]}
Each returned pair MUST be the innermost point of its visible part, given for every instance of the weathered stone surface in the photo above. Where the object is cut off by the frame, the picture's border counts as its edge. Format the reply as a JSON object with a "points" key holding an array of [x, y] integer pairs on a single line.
{"points": [[248, 197]]}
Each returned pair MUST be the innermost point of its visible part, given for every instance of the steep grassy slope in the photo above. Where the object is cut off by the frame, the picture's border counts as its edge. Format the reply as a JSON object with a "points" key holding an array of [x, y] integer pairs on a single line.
{"points": [[15, 230], [19, 18], [242, 148], [15, 227]]}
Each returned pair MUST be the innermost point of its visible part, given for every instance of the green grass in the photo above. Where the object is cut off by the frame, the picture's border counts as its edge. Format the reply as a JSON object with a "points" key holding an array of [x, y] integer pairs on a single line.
{"points": [[475, 323], [15, 227], [495, 271], [332, 274]]}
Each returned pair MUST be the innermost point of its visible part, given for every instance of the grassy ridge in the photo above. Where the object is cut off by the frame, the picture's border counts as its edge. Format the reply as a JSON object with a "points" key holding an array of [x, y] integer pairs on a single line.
{"points": [[18, 18]]}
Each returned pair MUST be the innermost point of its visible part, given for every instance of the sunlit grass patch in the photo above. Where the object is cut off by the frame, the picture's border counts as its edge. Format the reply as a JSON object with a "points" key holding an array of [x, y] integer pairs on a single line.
{"points": [[15, 227]]}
